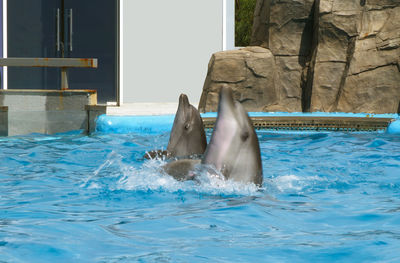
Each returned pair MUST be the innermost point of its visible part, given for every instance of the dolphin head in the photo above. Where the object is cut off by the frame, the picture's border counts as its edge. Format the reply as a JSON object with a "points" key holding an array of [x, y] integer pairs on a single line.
{"points": [[234, 149], [187, 134]]}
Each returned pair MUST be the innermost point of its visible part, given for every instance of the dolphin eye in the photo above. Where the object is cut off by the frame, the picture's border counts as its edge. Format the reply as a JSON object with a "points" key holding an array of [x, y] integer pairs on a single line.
{"points": [[187, 126], [244, 136]]}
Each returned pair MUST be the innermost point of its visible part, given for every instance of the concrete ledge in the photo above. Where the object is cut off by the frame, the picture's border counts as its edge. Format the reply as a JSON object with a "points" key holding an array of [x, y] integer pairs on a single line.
{"points": [[3, 121], [46, 111], [45, 122], [47, 100], [94, 111], [143, 109]]}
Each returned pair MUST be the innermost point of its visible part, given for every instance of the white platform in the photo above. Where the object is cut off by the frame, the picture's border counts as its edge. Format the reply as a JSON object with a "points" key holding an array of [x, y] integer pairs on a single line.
{"points": [[143, 109]]}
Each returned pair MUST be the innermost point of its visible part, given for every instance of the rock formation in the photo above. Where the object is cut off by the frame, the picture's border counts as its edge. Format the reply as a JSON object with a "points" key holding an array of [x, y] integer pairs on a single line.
{"points": [[249, 71], [314, 55]]}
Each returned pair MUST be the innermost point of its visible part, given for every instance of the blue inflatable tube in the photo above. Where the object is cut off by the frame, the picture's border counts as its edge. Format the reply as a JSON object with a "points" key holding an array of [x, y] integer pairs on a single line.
{"points": [[394, 127], [134, 124]]}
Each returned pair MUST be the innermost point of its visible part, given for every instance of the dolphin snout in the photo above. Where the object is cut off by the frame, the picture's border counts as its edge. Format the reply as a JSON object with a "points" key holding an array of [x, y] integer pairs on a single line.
{"points": [[183, 100]]}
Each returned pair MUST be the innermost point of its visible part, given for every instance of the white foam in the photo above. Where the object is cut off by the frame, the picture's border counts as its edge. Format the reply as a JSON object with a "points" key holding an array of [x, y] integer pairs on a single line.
{"points": [[150, 176]]}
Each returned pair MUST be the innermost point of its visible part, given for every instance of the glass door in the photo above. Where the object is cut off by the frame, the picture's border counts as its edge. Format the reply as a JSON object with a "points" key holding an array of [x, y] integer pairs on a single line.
{"points": [[92, 33], [65, 28], [31, 30]]}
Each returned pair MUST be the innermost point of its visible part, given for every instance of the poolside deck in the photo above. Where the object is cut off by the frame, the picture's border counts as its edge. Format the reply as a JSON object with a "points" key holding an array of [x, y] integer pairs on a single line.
{"points": [[143, 109]]}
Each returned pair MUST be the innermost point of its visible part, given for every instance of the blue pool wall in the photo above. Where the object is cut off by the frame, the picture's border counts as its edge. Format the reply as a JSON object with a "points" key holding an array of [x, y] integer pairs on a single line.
{"points": [[134, 124], [394, 127], [163, 123]]}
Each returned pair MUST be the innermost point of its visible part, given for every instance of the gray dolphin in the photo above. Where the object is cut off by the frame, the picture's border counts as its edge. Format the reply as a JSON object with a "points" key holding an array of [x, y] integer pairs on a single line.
{"points": [[187, 135], [234, 149]]}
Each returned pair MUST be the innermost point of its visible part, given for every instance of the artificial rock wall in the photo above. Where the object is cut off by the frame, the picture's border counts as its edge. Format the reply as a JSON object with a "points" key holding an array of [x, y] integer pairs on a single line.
{"points": [[314, 55]]}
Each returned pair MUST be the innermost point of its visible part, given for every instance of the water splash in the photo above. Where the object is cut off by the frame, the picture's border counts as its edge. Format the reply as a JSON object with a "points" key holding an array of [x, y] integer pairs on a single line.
{"points": [[149, 176]]}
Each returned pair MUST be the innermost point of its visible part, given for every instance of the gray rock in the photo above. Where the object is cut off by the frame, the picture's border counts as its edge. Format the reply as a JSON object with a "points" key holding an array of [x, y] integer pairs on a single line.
{"points": [[249, 71], [319, 55], [360, 45], [288, 84], [290, 27], [374, 91]]}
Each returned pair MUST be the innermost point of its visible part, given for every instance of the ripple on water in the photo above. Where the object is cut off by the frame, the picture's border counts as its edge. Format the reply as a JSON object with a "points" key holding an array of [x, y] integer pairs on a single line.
{"points": [[326, 197]]}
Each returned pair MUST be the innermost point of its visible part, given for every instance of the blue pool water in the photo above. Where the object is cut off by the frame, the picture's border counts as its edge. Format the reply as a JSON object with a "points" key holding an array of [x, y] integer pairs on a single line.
{"points": [[326, 197]]}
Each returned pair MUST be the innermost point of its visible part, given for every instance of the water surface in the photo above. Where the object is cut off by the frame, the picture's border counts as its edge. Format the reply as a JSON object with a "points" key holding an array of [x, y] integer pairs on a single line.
{"points": [[326, 197]]}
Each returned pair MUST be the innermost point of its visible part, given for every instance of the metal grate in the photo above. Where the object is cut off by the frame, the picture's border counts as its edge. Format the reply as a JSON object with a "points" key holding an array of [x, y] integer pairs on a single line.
{"points": [[314, 123]]}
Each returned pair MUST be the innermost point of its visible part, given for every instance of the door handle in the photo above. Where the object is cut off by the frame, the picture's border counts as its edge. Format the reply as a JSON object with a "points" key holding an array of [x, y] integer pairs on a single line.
{"points": [[58, 18], [70, 30]]}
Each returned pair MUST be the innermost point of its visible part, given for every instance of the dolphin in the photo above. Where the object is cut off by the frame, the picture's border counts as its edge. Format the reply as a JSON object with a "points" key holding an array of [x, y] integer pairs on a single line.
{"points": [[187, 138], [234, 149], [187, 135]]}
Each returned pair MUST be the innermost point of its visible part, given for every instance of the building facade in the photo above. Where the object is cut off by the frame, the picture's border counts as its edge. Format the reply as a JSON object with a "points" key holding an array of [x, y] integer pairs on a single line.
{"points": [[148, 51]]}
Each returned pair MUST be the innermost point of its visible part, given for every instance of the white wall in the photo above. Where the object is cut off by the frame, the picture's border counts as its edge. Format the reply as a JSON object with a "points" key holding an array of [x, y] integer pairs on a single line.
{"points": [[229, 24], [167, 46]]}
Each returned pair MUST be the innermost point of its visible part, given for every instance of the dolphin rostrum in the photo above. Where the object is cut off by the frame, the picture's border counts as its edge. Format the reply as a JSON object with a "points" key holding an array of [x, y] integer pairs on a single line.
{"points": [[234, 149]]}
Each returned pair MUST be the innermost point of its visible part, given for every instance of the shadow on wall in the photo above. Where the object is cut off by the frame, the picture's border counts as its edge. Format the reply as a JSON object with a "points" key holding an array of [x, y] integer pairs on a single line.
{"points": [[308, 46]]}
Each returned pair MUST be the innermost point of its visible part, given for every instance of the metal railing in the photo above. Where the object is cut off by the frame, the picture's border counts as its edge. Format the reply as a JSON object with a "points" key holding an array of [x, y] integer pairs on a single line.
{"points": [[314, 123], [63, 63]]}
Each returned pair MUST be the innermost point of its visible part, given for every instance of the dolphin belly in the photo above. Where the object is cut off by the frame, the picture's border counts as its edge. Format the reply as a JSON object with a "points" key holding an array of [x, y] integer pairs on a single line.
{"points": [[234, 149]]}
